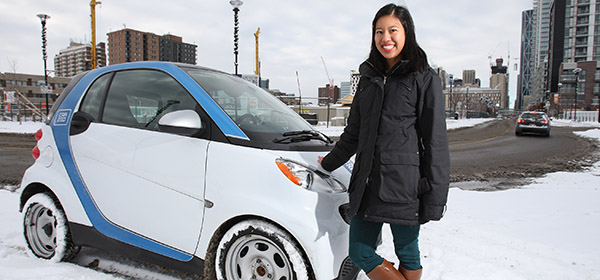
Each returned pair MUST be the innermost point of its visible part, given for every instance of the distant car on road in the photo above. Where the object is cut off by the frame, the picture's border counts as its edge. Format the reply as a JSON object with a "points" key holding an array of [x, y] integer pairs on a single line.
{"points": [[533, 122]]}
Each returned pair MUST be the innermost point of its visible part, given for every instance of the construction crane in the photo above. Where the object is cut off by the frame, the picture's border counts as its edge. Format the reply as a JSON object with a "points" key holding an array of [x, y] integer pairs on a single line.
{"points": [[330, 89], [327, 72], [93, 4], [492, 53], [257, 71]]}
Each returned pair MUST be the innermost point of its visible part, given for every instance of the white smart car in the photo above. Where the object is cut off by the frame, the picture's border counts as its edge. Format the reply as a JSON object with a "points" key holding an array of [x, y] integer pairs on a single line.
{"points": [[186, 167]]}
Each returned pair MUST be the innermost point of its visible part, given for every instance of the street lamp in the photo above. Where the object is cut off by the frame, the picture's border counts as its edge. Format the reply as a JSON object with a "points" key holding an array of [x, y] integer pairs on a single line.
{"points": [[43, 18], [559, 98], [236, 8], [452, 97], [576, 71]]}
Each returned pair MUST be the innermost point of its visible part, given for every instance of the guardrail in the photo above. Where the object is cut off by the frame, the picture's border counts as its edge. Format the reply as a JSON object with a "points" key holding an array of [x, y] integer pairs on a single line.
{"points": [[581, 116]]}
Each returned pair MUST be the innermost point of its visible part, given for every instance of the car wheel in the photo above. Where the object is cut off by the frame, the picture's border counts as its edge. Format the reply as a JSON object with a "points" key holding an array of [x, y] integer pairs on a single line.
{"points": [[518, 133], [45, 229], [256, 249]]}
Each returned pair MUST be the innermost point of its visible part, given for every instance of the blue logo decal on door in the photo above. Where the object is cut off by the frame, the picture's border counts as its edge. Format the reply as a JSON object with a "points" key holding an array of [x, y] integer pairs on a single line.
{"points": [[62, 117]]}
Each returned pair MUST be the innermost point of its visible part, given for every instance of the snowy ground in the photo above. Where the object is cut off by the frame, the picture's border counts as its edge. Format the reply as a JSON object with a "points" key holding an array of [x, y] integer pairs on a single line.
{"points": [[546, 230]]}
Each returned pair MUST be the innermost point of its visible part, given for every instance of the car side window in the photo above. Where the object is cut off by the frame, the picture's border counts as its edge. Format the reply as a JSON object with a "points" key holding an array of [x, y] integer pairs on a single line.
{"points": [[138, 98], [93, 99]]}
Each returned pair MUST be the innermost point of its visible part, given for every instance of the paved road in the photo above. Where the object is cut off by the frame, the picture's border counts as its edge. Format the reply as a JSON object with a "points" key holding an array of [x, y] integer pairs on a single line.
{"points": [[487, 152], [15, 156], [492, 151]]}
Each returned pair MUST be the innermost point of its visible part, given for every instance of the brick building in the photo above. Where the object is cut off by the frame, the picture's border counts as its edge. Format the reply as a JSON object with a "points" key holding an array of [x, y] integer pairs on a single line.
{"points": [[77, 58], [127, 45]]}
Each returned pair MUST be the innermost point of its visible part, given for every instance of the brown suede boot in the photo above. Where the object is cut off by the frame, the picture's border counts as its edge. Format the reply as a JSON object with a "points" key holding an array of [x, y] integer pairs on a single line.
{"points": [[411, 274], [385, 271]]}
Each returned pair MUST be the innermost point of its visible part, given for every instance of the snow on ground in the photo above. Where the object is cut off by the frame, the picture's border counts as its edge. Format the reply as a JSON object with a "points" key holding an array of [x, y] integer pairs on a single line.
{"points": [[334, 131], [573, 124], [19, 127], [545, 230]]}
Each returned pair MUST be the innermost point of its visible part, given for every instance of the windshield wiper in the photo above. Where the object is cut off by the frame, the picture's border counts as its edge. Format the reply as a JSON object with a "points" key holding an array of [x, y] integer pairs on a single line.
{"points": [[302, 135]]}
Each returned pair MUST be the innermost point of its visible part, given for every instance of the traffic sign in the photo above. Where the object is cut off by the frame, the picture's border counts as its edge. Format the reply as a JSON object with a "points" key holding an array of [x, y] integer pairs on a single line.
{"points": [[46, 89]]}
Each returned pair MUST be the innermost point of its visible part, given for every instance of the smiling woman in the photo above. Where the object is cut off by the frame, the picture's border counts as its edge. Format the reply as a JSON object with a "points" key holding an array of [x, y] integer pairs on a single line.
{"points": [[397, 130]]}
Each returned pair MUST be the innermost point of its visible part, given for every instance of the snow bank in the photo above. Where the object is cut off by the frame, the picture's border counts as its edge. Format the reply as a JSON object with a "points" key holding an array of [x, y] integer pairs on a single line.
{"points": [[562, 123], [16, 127], [335, 131]]}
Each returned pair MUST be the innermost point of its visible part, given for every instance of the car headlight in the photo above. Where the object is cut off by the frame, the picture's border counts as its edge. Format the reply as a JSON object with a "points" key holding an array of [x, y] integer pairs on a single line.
{"points": [[309, 177]]}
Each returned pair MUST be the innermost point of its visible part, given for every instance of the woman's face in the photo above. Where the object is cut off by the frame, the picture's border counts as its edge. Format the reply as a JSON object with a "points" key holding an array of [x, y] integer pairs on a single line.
{"points": [[390, 38]]}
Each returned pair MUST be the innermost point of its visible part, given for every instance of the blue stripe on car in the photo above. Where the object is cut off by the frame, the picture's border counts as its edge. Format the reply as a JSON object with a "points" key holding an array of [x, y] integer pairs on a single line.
{"points": [[60, 126]]}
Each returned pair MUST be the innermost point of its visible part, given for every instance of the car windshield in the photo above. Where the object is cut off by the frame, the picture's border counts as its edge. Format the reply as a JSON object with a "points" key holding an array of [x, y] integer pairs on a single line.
{"points": [[258, 113]]}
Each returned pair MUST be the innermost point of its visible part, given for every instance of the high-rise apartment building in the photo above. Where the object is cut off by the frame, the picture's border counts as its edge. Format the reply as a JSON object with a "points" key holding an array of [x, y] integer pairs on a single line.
{"points": [[345, 89], [77, 58], [469, 77], [527, 62], [172, 48], [541, 43], [573, 73], [499, 80], [581, 31], [328, 93], [541, 21], [127, 45]]}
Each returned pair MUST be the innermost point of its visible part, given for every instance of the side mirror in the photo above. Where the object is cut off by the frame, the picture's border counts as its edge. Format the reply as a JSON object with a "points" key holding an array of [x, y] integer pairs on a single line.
{"points": [[183, 122]]}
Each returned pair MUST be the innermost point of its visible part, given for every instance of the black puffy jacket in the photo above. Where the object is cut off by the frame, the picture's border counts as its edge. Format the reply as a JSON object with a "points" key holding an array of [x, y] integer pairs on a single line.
{"points": [[397, 129]]}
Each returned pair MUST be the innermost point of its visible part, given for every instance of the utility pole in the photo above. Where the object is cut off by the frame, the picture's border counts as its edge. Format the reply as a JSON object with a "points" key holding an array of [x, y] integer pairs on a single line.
{"points": [[300, 94], [94, 61], [576, 72]]}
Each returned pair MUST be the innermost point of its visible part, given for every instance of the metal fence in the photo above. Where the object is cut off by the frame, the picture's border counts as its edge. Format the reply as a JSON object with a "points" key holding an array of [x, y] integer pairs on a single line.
{"points": [[14, 112], [581, 116]]}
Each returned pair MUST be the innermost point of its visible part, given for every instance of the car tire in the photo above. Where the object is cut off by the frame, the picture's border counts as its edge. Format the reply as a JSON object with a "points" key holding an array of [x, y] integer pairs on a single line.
{"points": [[255, 249], [46, 230], [518, 133]]}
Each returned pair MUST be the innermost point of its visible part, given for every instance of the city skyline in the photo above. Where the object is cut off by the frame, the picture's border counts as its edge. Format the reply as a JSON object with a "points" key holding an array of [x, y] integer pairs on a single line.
{"points": [[293, 35]]}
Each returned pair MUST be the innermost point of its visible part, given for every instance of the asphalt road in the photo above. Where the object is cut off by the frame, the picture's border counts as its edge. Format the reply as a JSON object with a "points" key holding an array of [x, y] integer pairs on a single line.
{"points": [[488, 152], [15, 156], [492, 152]]}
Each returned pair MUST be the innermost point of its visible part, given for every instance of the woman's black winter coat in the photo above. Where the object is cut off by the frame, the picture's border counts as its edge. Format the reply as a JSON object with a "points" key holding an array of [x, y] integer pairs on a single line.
{"points": [[397, 129]]}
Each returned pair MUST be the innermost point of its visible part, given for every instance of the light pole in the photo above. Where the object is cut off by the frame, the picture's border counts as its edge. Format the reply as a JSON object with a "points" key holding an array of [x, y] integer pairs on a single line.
{"points": [[558, 96], [576, 71], [43, 18], [236, 8], [452, 97]]}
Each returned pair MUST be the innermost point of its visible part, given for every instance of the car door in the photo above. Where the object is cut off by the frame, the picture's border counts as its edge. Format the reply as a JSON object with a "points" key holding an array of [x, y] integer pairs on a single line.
{"points": [[143, 180]]}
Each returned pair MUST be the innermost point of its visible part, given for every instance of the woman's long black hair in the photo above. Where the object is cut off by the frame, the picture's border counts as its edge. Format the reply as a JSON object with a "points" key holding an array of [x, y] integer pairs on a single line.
{"points": [[417, 59]]}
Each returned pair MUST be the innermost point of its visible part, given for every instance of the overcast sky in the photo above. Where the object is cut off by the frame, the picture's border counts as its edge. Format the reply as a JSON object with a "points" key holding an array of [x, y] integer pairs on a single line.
{"points": [[294, 35]]}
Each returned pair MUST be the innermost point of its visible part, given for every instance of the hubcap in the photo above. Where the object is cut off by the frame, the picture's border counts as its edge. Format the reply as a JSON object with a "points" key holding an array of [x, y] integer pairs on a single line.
{"points": [[40, 229], [257, 257]]}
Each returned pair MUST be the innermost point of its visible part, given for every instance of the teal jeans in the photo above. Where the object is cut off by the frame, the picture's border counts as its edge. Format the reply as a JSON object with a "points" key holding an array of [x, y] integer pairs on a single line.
{"points": [[364, 237]]}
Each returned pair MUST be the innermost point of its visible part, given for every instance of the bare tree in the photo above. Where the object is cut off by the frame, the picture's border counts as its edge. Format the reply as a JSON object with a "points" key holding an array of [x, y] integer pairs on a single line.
{"points": [[12, 63]]}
